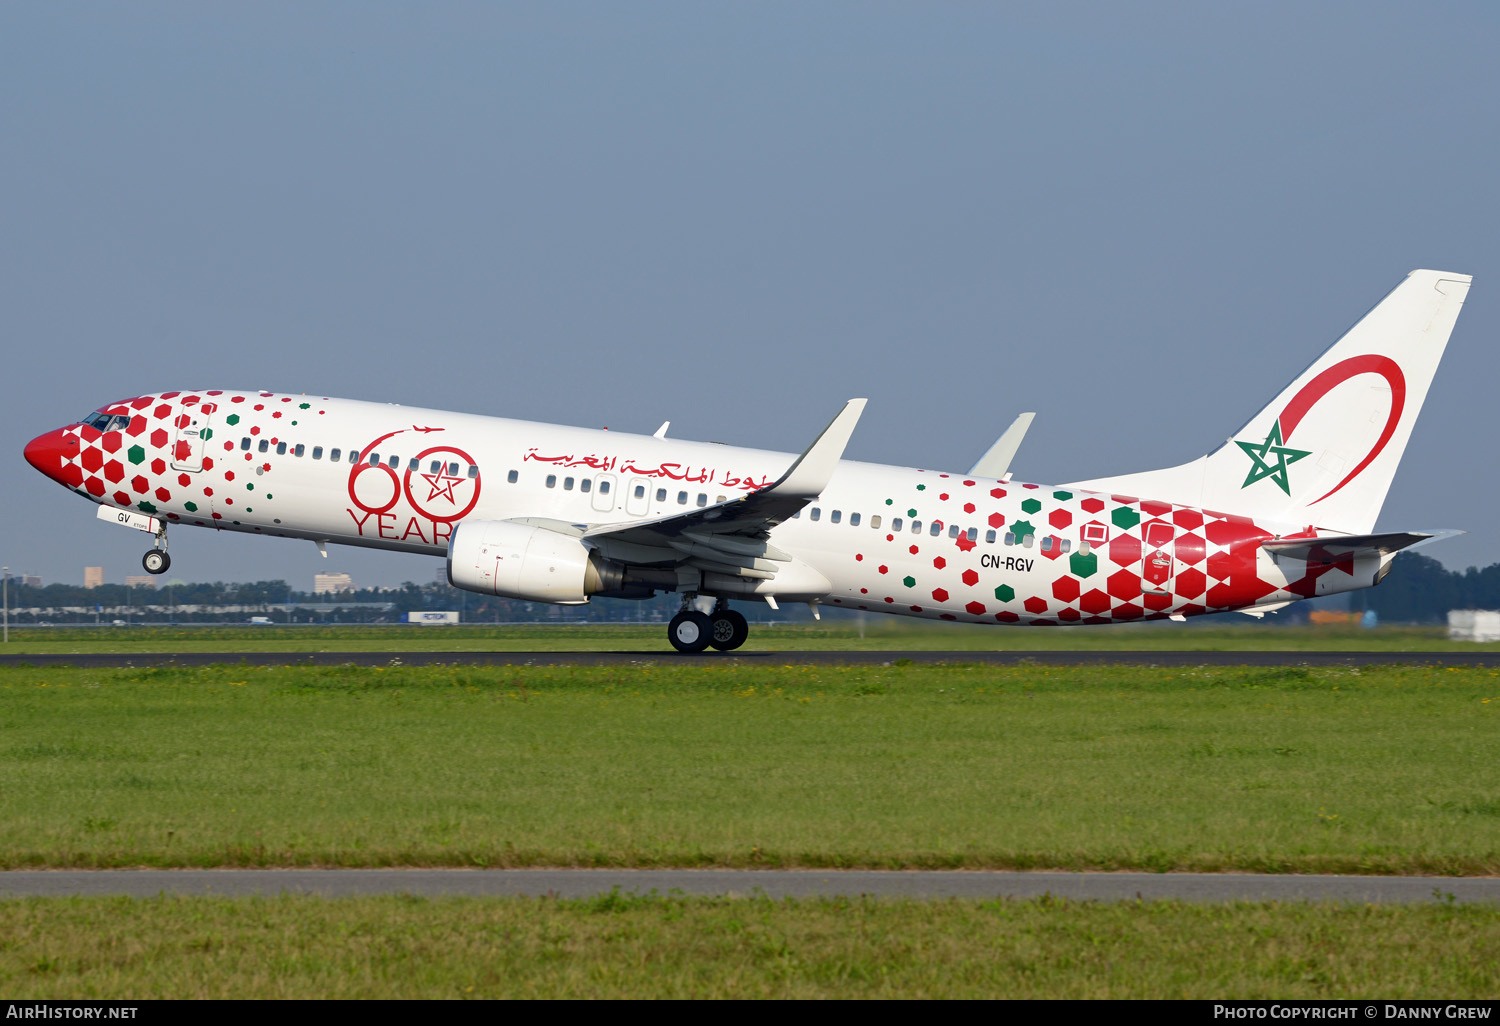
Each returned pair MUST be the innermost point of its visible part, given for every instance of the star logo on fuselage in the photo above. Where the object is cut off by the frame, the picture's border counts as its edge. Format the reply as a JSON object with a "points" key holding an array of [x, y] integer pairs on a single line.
{"points": [[442, 484], [1270, 459]]}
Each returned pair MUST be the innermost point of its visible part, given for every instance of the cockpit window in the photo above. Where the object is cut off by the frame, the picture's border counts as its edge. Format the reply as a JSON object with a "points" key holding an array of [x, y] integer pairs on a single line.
{"points": [[105, 422]]}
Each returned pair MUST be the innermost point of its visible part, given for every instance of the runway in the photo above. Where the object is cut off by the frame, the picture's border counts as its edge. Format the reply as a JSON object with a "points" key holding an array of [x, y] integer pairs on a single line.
{"points": [[751, 659], [771, 883]]}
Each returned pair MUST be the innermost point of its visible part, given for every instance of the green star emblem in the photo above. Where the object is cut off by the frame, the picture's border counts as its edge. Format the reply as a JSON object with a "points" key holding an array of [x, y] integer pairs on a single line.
{"points": [[1263, 454]]}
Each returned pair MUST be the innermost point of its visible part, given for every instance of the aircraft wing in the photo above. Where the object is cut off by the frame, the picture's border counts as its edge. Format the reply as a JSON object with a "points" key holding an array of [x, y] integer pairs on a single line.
{"points": [[1338, 547], [730, 537]]}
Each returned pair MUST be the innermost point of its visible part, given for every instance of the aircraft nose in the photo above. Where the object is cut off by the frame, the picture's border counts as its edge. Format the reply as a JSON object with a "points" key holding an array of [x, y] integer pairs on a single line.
{"points": [[47, 452]]}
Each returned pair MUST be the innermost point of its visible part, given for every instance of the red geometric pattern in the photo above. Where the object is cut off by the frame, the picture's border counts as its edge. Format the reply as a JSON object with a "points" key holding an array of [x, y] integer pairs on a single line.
{"points": [[1213, 561]]}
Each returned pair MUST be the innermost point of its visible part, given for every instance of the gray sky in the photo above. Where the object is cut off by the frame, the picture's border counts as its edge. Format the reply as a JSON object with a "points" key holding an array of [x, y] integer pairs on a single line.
{"points": [[1138, 220]]}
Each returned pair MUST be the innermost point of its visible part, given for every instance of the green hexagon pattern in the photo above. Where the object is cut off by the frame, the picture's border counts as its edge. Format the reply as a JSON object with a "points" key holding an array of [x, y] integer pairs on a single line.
{"points": [[1083, 564], [1124, 518]]}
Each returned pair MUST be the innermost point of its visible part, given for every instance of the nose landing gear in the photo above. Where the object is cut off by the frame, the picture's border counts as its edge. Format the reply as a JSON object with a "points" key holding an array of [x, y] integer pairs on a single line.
{"points": [[156, 560]]}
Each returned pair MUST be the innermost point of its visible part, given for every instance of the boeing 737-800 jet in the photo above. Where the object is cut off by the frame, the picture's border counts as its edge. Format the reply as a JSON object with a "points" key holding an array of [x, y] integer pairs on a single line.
{"points": [[1282, 511]]}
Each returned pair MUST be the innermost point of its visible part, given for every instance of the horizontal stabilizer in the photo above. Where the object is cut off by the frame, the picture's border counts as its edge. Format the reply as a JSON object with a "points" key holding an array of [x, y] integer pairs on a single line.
{"points": [[1357, 546]]}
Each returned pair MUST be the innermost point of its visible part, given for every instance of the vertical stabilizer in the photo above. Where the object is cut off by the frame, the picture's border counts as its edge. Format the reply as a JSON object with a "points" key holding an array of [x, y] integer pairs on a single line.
{"points": [[1325, 450]]}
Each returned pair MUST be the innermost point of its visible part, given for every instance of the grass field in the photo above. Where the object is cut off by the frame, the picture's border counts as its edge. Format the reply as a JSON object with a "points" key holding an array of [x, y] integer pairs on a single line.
{"points": [[617, 946], [1282, 770], [879, 633]]}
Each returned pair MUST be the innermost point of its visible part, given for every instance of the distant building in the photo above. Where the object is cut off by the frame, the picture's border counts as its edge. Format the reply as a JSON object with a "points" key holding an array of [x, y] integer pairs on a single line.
{"points": [[1473, 625], [93, 576], [331, 584], [441, 577], [31, 580], [140, 581]]}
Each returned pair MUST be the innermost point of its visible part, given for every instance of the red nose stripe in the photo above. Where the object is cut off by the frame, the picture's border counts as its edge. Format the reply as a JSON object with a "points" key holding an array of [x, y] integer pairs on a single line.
{"points": [[47, 452]]}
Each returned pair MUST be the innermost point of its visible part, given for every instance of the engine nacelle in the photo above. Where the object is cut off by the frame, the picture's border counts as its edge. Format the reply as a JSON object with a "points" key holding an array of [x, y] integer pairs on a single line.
{"points": [[522, 561]]}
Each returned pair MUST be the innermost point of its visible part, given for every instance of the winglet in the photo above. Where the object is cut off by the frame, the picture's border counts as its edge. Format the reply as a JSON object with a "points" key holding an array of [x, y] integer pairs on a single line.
{"points": [[807, 478], [661, 432], [996, 463]]}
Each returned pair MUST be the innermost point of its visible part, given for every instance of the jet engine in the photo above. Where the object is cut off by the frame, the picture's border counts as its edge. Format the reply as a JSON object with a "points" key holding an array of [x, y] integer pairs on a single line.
{"points": [[524, 561]]}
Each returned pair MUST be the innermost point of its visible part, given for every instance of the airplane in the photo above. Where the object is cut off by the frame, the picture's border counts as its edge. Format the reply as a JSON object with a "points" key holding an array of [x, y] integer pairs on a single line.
{"points": [[1284, 510]]}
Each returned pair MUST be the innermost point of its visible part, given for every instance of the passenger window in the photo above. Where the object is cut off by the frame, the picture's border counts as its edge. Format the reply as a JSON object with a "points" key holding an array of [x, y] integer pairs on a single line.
{"points": [[299, 449], [916, 527], [265, 445], [473, 472], [1010, 539], [661, 494], [245, 444], [551, 480], [414, 466], [1028, 540], [815, 514], [702, 499], [721, 498], [836, 516], [1066, 545], [895, 525], [853, 519], [281, 448], [936, 529], [374, 459], [640, 491], [682, 498], [604, 487], [1047, 544], [989, 537], [585, 485], [796, 514], [875, 521], [953, 531], [453, 470], [567, 484], [393, 462], [353, 455], [317, 452], [512, 477], [973, 534], [435, 467], [1084, 548]]}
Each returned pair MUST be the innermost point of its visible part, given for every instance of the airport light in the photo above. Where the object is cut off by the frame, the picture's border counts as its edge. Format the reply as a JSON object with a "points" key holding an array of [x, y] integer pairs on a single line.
{"points": [[7, 604]]}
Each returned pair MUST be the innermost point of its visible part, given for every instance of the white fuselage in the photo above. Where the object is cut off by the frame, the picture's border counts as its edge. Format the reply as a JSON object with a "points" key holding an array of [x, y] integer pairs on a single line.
{"points": [[894, 539]]}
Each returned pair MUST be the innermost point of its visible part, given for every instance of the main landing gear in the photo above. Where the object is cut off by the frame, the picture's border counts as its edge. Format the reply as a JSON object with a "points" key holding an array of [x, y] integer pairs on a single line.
{"points": [[692, 631], [156, 560]]}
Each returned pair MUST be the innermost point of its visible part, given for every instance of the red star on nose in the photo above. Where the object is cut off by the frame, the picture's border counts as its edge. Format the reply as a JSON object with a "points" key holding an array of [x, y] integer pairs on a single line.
{"points": [[442, 485]]}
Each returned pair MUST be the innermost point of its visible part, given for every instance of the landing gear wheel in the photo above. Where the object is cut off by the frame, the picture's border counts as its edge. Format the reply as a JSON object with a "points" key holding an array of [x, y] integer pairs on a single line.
{"points": [[727, 630], [689, 631], [156, 561]]}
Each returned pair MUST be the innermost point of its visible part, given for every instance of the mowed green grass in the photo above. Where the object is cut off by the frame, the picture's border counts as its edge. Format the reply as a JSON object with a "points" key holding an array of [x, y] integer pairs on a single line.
{"points": [[1378, 770], [620, 946], [879, 633]]}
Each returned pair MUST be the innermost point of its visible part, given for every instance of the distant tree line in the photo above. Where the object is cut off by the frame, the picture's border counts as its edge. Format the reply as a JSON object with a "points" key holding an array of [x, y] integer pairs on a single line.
{"points": [[1420, 590]]}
